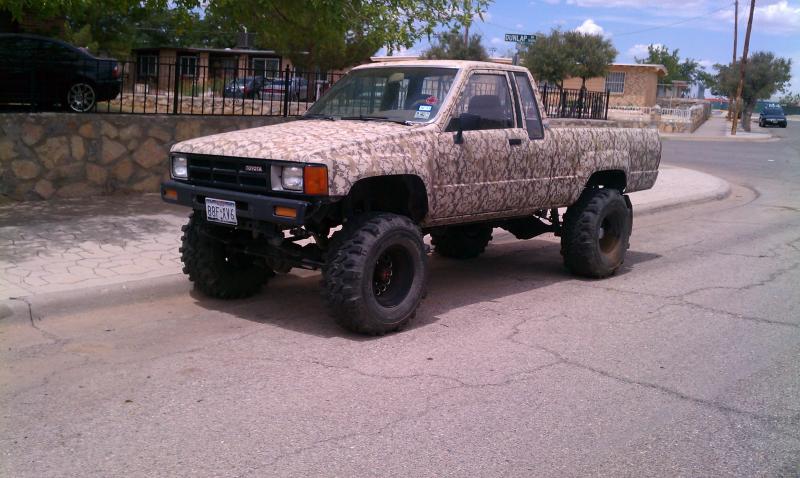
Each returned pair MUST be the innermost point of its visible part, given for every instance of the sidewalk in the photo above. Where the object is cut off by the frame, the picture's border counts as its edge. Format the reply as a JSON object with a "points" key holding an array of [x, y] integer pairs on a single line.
{"points": [[719, 129], [50, 246]]}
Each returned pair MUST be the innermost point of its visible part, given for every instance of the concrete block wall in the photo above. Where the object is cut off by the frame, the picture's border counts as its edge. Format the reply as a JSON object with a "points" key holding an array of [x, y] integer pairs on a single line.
{"points": [[61, 155]]}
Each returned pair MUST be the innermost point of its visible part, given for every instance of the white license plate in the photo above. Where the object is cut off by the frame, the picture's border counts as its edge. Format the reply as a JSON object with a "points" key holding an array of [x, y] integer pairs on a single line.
{"points": [[218, 210]]}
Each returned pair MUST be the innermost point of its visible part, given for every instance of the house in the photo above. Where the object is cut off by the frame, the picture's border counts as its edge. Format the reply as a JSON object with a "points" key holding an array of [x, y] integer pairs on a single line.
{"points": [[629, 84], [203, 66]]}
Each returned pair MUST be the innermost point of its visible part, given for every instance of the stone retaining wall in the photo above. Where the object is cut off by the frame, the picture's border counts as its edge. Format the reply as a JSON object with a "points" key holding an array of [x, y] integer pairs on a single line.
{"points": [[61, 155]]}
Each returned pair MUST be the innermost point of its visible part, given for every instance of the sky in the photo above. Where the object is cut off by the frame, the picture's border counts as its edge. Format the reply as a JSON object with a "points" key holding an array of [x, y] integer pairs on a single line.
{"points": [[700, 29]]}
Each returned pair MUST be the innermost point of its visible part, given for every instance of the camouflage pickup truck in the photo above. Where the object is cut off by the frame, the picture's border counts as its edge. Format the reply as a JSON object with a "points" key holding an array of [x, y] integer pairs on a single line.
{"points": [[394, 152]]}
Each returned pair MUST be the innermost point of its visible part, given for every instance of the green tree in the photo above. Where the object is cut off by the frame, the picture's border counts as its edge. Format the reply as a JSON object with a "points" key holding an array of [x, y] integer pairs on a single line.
{"points": [[549, 58], [765, 75], [592, 55], [335, 34], [790, 100], [677, 69], [450, 46]]}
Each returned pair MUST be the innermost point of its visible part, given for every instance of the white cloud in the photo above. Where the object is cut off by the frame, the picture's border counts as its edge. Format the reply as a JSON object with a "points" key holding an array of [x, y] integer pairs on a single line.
{"points": [[775, 18], [496, 41], [707, 65], [519, 26], [639, 50], [589, 27]]}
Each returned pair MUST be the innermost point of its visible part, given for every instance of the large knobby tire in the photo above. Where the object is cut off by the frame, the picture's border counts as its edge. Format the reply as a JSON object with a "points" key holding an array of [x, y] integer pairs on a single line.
{"points": [[375, 273], [216, 270], [462, 242], [596, 234]]}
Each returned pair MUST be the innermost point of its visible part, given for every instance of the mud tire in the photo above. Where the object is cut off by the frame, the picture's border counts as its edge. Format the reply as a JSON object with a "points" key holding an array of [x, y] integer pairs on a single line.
{"points": [[352, 265], [596, 235], [462, 242], [215, 271]]}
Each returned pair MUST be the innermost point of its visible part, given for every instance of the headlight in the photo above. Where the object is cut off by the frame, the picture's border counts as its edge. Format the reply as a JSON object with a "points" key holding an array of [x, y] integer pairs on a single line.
{"points": [[292, 178], [180, 167]]}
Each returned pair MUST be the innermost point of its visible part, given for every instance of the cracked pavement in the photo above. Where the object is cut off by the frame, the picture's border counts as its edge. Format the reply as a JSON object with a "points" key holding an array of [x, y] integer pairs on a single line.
{"points": [[684, 364]]}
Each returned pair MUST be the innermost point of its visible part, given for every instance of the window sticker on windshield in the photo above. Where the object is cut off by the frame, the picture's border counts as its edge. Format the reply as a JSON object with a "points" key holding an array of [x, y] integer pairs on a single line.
{"points": [[422, 114], [425, 107], [431, 100]]}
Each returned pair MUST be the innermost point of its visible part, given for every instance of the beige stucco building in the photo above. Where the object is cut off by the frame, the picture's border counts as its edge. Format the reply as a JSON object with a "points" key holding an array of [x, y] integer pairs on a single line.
{"points": [[630, 84]]}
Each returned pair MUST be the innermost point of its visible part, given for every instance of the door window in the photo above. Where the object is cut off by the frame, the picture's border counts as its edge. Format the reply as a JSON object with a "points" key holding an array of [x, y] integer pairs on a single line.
{"points": [[488, 97], [530, 108]]}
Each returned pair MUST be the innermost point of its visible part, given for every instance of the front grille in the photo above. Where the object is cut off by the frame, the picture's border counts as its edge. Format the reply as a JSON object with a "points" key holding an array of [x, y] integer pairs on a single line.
{"points": [[238, 174]]}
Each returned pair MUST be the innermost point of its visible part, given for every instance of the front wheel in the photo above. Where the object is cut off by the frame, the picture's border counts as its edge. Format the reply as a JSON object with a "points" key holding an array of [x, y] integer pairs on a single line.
{"points": [[214, 266], [81, 97], [597, 230], [375, 274]]}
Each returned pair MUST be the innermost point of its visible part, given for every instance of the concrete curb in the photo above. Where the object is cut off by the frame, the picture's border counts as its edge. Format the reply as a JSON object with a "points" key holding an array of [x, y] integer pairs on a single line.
{"points": [[34, 308], [721, 191], [31, 309], [679, 137]]}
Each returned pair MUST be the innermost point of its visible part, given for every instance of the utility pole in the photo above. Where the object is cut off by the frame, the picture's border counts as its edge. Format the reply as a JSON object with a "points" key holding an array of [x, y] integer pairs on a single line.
{"points": [[467, 20], [735, 40], [743, 67]]}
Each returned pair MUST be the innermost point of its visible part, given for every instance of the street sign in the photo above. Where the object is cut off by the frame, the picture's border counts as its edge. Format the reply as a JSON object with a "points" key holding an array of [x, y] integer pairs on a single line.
{"points": [[520, 38]]}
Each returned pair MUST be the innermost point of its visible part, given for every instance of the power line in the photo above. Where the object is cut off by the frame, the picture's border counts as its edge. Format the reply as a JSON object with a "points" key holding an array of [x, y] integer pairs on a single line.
{"points": [[680, 22]]}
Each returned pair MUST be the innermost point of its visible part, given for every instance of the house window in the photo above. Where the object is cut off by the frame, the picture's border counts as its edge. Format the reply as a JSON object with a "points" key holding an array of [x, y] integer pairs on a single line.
{"points": [[266, 67], [147, 65], [188, 66], [615, 82]]}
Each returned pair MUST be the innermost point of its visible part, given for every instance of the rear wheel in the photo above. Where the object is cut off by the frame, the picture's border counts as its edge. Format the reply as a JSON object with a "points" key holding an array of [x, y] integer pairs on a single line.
{"points": [[214, 267], [596, 233], [81, 97], [462, 242], [375, 273]]}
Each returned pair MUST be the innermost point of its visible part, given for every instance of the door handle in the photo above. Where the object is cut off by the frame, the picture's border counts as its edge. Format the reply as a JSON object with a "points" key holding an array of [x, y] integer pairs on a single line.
{"points": [[515, 141]]}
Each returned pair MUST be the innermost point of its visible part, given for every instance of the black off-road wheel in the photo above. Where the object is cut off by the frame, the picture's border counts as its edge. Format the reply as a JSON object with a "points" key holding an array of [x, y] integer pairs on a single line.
{"points": [[375, 273], [216, 270], [462, 242], [596, 234]]}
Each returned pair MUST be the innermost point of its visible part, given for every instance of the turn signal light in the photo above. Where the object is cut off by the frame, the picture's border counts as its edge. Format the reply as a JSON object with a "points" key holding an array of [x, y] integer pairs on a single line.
{"points": [[284, 211], [171, 194], [315, 180]]}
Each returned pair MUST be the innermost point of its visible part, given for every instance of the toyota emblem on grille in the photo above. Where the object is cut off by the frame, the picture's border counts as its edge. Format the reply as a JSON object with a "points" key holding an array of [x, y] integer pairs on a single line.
{"points": [[254, 169]]}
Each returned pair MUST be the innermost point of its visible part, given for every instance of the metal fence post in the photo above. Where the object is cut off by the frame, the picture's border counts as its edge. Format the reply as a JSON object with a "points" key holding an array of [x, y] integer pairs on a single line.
{"points": [[608, 96], [286, 92], [176, 89]]}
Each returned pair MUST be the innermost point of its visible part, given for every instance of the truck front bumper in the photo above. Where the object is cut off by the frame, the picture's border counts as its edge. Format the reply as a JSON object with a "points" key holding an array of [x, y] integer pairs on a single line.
{"points": [[248, 206]]}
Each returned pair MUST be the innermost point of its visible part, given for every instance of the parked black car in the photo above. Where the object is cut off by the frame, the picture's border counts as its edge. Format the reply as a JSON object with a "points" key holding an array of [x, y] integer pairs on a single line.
{"points": [[44, 72], [245, 87], [772, 116]]}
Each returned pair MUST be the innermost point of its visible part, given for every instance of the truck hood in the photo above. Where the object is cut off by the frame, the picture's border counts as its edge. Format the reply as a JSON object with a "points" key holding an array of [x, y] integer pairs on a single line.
{"points": [[302, 141]]}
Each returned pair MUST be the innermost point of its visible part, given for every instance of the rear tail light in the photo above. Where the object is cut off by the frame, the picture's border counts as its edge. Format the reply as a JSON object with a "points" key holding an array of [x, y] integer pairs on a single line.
{"points": [[115, 71]]}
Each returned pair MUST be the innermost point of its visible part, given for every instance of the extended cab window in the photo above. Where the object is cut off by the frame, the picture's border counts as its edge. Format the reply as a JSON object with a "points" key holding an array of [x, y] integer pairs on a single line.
{"points": [[533, 122], [487, 96]]}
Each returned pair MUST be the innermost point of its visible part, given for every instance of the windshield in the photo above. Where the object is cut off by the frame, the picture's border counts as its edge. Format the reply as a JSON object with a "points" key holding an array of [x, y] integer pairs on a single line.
{"points": [[773, 111], [402, 94]]}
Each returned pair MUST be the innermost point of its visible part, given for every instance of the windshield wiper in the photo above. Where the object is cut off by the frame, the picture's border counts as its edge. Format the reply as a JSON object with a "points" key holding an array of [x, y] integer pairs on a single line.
{"points": [[377, 118], [319, 116]]}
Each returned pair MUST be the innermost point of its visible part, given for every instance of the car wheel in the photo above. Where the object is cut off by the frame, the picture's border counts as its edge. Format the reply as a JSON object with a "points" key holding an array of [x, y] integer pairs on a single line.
{"points": [[81, 97], [375, 273], [596, 233]]}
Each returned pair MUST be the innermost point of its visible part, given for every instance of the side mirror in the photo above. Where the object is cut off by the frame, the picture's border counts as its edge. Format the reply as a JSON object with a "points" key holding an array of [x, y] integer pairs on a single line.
{"points": [[465, 122]]}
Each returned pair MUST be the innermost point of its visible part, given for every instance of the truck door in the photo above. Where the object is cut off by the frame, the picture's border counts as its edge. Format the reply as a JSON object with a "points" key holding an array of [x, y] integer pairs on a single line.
{"points": [[469, 173]]}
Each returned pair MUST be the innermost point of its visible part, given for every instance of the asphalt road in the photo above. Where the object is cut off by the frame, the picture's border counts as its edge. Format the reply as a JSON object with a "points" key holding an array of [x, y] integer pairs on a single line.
{"points": [[687, 363]]}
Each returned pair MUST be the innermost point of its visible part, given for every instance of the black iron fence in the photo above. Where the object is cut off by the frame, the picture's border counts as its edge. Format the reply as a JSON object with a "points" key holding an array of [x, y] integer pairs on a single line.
{"points": [[581, 104], [194, 88], [148, 87]]}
